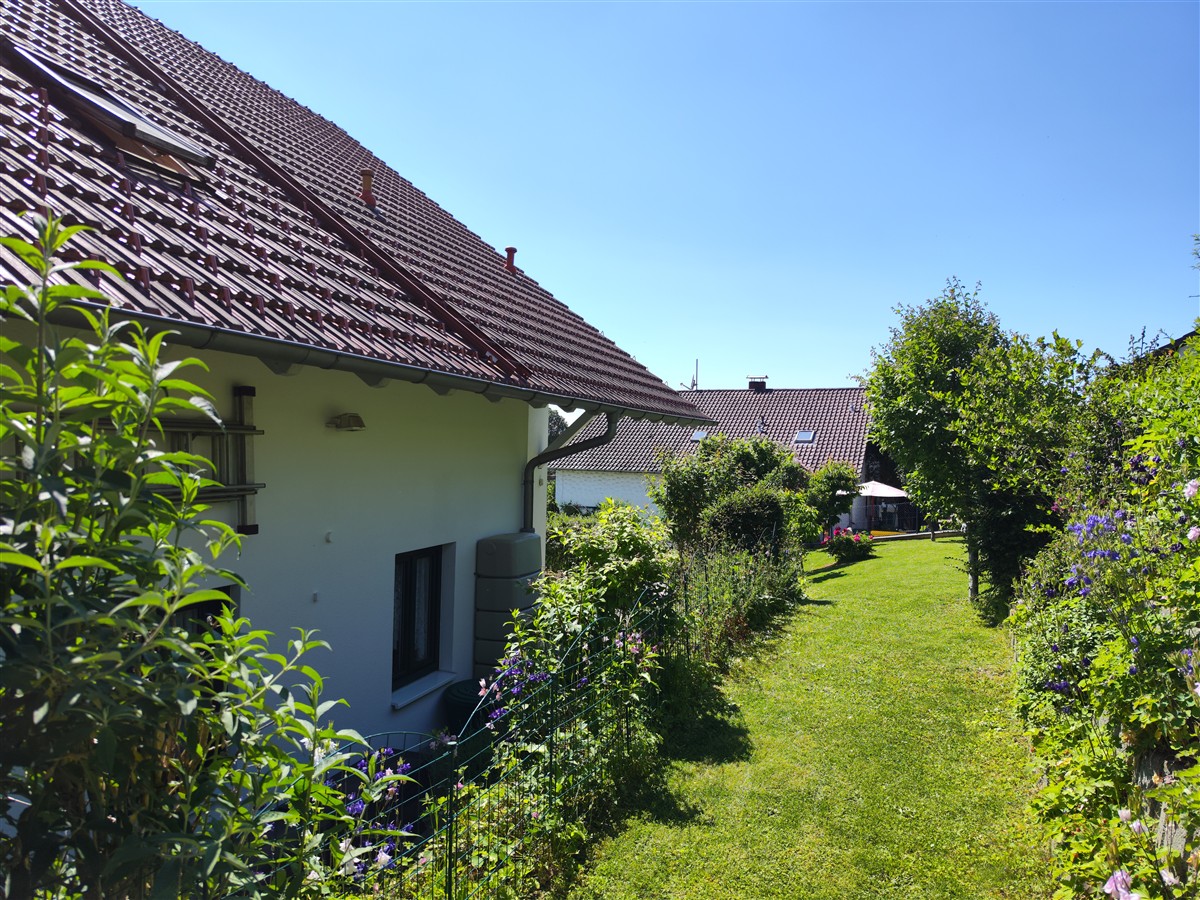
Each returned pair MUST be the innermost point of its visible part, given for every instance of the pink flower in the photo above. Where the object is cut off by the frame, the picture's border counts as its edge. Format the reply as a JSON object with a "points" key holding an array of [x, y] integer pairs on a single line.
{"points": [[1191, 489], [1125, 815], [1137, 827], [1169, 878], [1194, 533]]}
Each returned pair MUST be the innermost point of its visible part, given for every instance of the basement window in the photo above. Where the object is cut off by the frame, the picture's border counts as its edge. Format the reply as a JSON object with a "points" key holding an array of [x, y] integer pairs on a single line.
{"points": [[125, 125], [804, 437]]}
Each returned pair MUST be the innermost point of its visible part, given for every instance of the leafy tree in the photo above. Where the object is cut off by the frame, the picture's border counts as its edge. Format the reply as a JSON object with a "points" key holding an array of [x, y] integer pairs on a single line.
{"points": [[831, 491], [556, 425], [915, 388], [155, 753], [987, 427], [721, 466]]}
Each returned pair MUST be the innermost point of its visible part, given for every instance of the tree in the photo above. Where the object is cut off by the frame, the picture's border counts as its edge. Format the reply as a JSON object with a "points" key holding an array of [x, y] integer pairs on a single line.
{"points": [[720, 467], [831, 491], [915, 388], [987, 426], [556, 425]]}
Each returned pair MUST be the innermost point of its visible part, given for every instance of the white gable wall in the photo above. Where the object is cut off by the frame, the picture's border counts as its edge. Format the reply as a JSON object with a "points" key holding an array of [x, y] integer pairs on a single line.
{"points": [[592, 488], [338, 506]]}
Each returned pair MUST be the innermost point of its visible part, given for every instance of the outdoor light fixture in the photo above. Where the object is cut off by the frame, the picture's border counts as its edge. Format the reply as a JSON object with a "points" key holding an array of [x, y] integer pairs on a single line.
{"points": [[347, 422]]}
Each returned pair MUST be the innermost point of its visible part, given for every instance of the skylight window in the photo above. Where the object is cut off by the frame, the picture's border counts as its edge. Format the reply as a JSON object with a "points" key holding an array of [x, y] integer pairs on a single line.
{"points": [[804, 437], [116, 114], [699, 434]]}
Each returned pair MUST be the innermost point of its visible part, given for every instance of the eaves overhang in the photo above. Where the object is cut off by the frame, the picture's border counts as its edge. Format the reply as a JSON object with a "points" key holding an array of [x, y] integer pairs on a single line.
{"points": [[281, 354]]}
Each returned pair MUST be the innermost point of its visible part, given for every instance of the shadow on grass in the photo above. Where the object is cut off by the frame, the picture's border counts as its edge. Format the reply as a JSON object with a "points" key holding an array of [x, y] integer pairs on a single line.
{"points": [[697, 721]]}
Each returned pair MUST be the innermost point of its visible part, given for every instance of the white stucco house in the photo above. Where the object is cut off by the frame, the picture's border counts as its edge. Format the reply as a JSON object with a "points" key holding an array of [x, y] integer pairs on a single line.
{"points": [[383, 372]]}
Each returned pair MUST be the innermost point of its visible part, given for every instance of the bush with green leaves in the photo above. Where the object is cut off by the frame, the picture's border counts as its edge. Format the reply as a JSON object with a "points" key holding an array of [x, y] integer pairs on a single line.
{"points": [[847, 546], [831, 491], [143, 752], [621, 547], [692, 483], [1107, 625]]}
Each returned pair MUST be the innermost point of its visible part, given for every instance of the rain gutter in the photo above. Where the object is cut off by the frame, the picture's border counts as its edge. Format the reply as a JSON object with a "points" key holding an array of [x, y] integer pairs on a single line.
{"points": [[558, 452]]}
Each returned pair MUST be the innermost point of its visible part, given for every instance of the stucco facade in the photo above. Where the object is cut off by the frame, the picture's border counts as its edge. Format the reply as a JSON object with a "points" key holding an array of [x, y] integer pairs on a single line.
{"points": [[428, 470], [590, 489]]}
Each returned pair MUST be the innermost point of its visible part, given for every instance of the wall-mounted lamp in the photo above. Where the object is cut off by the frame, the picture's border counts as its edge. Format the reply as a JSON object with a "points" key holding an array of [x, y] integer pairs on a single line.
{"points": [[347, 422]]}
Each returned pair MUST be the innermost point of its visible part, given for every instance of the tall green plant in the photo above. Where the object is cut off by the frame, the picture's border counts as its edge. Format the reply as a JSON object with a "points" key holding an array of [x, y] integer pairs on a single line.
{"points": [[143, 751]]}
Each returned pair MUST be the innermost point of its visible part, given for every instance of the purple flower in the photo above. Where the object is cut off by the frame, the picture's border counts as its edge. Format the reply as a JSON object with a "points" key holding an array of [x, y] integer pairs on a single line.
{"points": [[1119, 885], [355, 807], [1194, 533], [1191, 489]]}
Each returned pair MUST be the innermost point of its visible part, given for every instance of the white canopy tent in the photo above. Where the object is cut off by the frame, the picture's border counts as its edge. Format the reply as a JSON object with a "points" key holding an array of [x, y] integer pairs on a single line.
{"points": [[878, 489]]}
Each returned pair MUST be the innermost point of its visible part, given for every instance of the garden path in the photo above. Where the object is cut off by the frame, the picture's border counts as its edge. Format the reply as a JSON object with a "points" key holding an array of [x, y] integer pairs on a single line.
{"points": [[868, 750]]}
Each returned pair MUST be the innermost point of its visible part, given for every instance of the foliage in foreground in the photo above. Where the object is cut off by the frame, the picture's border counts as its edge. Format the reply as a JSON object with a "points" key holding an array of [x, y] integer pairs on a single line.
{"points": [[1107, 622], [144, 751]]}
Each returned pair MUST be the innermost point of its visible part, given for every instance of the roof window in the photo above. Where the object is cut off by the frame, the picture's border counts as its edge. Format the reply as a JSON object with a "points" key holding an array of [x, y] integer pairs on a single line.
{"points": [[119, 118], [804, 437], [699, 434]]}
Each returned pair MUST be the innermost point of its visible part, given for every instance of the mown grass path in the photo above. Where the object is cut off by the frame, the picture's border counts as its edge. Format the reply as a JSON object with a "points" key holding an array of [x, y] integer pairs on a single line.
{"points": [[868, 751]]}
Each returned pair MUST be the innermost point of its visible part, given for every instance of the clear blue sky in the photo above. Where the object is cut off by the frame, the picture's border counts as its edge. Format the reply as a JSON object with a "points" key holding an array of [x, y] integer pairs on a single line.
{"points": [[759, 184]]}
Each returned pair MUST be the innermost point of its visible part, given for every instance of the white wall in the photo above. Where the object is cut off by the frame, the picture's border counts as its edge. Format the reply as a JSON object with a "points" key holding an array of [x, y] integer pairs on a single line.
{"points": [[338, 506], [592, 488]]}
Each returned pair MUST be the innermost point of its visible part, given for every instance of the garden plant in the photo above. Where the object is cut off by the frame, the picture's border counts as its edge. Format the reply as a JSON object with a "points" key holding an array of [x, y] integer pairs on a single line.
{"points": [[145, 751]]}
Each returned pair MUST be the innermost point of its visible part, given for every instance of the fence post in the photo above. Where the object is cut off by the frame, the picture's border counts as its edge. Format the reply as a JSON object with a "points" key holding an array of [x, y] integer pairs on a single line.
{"points": [[452, 819], [551, 740]]}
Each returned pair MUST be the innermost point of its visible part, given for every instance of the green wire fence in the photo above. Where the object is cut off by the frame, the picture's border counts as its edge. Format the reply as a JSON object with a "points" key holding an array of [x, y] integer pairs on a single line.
{"points": [[545, 745]]}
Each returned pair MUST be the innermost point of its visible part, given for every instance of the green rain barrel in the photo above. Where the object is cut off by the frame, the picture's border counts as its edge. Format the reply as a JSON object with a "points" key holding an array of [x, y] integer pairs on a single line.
{"points": [[461, 698]]}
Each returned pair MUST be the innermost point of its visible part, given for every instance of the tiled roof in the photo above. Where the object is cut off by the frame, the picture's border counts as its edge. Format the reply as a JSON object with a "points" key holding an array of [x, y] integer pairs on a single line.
{"points": [[273, 242], [837, 417]]}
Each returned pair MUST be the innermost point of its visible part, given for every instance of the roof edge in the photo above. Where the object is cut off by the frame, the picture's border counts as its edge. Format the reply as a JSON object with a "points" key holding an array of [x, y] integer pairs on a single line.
{"points": [[282, 354]]}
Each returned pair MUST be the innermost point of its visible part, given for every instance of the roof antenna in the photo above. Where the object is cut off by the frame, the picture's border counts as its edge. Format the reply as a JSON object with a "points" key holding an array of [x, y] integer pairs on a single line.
{"points": [[695, 378]]}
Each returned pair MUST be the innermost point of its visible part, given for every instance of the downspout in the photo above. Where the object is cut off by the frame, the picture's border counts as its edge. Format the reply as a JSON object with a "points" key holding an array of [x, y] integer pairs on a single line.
{"points": [[549, 455]]}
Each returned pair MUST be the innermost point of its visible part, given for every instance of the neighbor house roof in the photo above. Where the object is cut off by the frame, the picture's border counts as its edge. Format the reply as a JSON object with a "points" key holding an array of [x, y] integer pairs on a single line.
{"points": [[832, 423], [244, 220]]}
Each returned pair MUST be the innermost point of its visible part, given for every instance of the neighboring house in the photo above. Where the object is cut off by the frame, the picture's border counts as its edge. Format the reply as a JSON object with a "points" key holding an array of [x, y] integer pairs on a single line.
{"points": [[383, 372], [815, 424]]}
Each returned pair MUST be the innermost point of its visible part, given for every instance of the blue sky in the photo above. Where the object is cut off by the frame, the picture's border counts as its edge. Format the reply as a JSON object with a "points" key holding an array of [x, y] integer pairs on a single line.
{"points": [[758, 185]]}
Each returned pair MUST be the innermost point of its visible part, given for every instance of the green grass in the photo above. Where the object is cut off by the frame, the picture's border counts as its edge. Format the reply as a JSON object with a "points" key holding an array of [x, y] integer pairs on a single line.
{"points": [[868, 751]]}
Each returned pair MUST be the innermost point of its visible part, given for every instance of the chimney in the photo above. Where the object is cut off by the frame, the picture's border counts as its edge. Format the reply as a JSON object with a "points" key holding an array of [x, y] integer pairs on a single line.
{"points": [[509, 264], [367, 196], [758, 383]]}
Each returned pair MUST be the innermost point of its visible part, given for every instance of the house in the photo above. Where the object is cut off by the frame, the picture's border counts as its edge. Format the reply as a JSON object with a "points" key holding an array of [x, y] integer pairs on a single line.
{"points": [[383, 373], [815, 424]]}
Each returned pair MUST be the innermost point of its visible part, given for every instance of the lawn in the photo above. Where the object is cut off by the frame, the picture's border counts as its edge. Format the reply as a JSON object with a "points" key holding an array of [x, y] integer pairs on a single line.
{"points": [[869, 750]]}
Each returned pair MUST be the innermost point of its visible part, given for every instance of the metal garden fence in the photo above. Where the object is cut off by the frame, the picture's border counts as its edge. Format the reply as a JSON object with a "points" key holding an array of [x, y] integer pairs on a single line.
{"points": [[545, 744]]}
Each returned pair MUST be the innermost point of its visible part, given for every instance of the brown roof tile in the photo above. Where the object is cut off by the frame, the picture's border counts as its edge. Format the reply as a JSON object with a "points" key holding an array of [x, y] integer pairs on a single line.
{"points": [[836, 416], [274, 242]]}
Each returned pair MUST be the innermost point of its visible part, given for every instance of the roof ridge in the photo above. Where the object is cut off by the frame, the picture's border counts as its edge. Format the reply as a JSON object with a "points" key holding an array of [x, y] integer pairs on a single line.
{"points": [[334, 221]]}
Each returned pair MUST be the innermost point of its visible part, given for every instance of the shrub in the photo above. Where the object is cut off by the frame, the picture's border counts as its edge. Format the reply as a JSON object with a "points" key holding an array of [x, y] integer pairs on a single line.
{"points": [[846, 546], [721, 466], [151, 753], [750, 518], [1106, 622], [622, 548]]}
